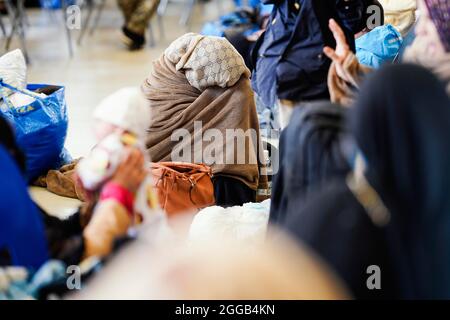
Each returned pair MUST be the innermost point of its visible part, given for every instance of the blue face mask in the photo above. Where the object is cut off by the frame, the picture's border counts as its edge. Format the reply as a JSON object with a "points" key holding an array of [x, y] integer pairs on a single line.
{"points": [[379, 46]]}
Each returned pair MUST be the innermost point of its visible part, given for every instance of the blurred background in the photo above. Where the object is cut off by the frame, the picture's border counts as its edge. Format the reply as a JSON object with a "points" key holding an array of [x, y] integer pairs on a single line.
{"points": [[90, 59]]}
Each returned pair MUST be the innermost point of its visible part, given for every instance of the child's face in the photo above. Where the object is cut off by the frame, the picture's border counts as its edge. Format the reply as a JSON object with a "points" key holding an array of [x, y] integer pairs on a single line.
{"points": [[104, 129]]}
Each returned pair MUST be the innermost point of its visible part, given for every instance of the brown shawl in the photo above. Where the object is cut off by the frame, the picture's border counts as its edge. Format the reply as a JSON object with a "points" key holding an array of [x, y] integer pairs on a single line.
{"points": [[176, 104]]}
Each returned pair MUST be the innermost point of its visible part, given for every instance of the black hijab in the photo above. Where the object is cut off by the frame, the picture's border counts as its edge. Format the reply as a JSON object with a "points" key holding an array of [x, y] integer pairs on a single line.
{"points": [[311, 154], [401, 123]]}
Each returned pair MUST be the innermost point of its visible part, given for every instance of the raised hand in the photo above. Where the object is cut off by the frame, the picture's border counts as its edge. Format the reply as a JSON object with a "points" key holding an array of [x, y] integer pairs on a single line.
{"points": [[342, 50]]}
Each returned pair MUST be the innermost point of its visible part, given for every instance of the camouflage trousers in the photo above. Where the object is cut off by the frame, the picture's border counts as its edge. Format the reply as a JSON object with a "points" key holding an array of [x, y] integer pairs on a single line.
{"points": [[138, 13]]}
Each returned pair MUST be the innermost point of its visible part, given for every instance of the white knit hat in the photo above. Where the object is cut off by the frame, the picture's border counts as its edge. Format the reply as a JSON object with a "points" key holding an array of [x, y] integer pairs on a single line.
{"points": [[126, 108]]}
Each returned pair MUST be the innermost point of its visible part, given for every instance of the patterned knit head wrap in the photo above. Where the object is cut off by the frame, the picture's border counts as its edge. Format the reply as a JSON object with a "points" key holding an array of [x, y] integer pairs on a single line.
{"points": [[207, 61], [440, 14]]}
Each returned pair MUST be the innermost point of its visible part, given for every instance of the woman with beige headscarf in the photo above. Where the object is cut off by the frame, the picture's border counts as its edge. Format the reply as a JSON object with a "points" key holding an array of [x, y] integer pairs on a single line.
{"points": [[431, 49], [199, 92]]}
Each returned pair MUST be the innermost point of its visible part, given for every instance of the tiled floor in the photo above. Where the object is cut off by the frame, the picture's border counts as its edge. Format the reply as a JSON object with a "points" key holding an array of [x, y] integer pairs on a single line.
{"points": [[100, 66]]}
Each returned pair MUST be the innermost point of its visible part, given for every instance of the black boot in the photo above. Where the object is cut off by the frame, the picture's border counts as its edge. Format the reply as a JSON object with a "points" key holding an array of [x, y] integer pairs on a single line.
{"points": [[132, 40]]}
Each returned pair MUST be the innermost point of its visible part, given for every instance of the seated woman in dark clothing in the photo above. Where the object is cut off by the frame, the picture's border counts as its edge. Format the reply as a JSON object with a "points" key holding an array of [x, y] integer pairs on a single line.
{"points": [[202, 110], [313, 145], [386, 228], [312, 152]]}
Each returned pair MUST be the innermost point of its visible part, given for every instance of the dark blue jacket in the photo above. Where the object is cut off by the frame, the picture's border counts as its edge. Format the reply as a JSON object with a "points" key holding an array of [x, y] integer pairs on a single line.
{"points": [[22, 236], [288, 58]]}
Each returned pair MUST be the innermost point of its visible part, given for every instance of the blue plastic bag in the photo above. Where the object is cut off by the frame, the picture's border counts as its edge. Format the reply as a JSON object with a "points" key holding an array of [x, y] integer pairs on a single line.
{"points": [[40, 128], [265, 9], [55, 4], [251, 3], [232, 20]]}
